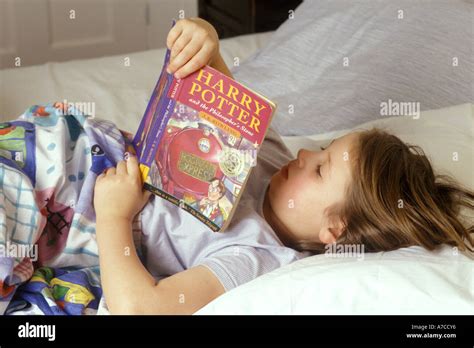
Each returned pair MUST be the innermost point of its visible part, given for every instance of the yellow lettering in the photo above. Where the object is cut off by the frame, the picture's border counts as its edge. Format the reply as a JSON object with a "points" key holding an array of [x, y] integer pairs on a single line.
{"points": [[259, 107], [208, 77], [206, 92], [232, 108], [221, 101], [254, 124], [219, 86], [245, 101], [233, 92], [195, 87], [243, 114]]}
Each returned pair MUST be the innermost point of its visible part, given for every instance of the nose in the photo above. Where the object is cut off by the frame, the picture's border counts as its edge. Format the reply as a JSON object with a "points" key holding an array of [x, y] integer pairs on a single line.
{"points": [[301, 156]]}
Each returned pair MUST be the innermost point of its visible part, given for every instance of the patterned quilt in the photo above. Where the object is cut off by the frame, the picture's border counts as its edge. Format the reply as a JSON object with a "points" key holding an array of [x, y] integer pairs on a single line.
{"points": [[49, 160]]}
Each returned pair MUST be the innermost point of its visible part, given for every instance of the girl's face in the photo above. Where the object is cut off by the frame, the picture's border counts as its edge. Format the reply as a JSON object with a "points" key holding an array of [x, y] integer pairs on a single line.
{"points": [[300, 193]]}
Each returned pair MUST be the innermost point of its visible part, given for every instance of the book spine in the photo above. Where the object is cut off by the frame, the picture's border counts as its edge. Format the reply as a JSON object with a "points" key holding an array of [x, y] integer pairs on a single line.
{"points": [[150, 112], [160, 117], [165, 110], [138, 142]]}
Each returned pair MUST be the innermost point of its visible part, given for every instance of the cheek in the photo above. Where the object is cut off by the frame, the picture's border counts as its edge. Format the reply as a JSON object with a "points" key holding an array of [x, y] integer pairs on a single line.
{"points": [[291, 197]]}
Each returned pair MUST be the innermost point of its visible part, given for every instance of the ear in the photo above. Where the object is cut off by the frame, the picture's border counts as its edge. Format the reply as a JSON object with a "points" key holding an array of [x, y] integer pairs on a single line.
{"points": [[331, 228]]}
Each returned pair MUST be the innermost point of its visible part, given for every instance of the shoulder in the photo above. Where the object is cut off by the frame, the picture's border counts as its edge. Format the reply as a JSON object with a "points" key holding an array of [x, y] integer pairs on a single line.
{"points": [[273, 155], [273, 144], [239, 264]]}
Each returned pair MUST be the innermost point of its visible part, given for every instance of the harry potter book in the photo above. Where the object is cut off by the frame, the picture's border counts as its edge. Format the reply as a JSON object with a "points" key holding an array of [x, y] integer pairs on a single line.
{"points": [[198, 142]]}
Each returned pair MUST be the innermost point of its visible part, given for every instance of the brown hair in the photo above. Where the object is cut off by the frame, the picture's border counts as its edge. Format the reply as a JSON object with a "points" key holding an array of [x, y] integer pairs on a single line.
{"points": [[395, 200]]}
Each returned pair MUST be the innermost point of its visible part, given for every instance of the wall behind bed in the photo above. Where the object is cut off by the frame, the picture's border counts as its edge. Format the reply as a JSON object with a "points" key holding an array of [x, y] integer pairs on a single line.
{"points": [[38, 31]]}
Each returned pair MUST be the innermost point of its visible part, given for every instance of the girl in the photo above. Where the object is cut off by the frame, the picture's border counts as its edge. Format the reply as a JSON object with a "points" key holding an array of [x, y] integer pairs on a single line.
{"points": [[364, 188]]}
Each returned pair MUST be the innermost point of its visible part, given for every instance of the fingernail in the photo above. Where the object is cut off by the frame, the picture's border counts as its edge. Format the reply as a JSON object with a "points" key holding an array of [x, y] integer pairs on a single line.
{"points": [[168, 70]]}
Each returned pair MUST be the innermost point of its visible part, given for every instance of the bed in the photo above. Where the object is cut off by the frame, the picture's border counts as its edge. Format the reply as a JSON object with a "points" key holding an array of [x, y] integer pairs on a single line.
{"points": [[120, 92], [327, 102]]}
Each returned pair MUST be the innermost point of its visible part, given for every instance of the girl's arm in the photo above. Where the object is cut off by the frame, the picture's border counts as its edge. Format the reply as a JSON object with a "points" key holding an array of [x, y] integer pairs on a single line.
{"points": [[219, 64], [128, 287]]}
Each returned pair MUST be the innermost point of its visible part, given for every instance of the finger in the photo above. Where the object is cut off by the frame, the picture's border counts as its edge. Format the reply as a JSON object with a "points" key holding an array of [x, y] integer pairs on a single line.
{"points": [[174, 33], [178, 46], [186, 54], [133, 166], [197, 62], [122, 168]]}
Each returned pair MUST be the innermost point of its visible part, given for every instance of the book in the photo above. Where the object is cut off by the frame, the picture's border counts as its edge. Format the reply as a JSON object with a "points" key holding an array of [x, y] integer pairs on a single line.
{"points": [[198, 141]]}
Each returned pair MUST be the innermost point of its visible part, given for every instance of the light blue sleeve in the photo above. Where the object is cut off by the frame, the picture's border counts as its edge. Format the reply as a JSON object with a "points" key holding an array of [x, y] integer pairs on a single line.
{"points": [[236, 265]]}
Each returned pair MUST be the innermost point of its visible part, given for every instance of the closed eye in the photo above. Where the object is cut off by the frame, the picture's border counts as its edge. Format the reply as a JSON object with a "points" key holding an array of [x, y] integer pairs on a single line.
{"points": [[318, 170]]}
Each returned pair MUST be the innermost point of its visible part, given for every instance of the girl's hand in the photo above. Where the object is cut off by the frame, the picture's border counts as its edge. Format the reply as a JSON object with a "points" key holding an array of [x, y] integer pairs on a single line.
{"points": [[193, 43], [118, 192]]}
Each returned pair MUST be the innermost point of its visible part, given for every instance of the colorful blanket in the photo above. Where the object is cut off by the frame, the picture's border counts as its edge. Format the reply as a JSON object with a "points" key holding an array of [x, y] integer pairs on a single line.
{"points": [[49, 160]]}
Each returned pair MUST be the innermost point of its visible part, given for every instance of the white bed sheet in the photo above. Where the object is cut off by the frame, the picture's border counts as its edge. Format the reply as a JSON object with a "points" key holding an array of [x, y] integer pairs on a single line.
{"points": [[120, 92]]}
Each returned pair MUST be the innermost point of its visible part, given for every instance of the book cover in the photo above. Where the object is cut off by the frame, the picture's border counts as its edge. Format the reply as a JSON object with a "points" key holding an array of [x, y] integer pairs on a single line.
{"points": [[198, 142]]}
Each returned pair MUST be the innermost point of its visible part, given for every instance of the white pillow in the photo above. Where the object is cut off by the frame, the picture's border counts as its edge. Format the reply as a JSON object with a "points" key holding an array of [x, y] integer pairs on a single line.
{"points": [[405, 281], [331, 66]]}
